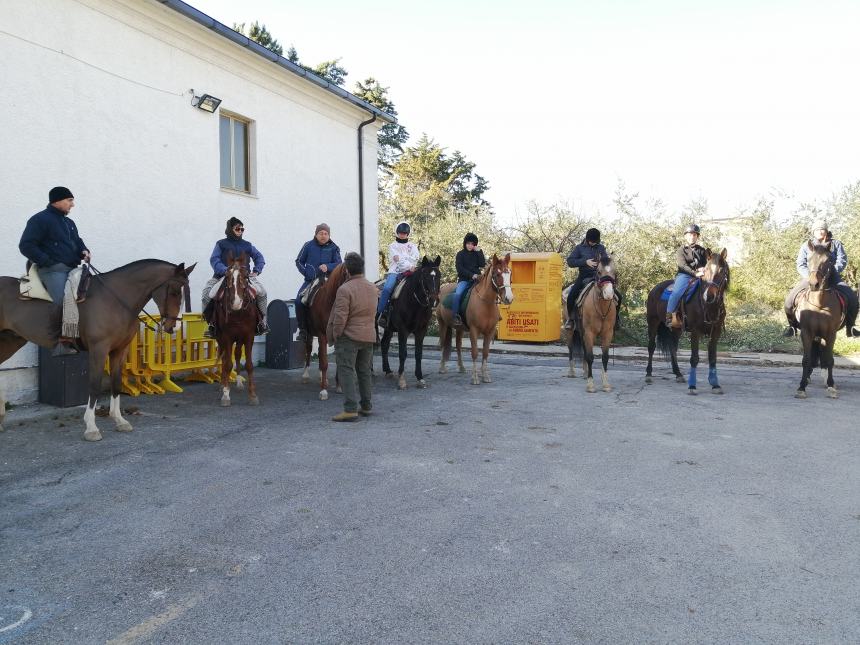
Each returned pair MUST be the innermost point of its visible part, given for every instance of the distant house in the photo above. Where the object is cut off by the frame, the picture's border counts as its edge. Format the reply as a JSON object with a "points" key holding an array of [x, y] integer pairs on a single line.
{"points": [[102, 96]]}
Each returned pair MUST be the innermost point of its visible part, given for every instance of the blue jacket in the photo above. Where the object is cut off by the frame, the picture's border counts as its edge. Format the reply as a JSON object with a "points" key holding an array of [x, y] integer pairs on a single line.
{"points": [[223, 249], [837, 254], [580, 255], [313, 255], [51, 237]]}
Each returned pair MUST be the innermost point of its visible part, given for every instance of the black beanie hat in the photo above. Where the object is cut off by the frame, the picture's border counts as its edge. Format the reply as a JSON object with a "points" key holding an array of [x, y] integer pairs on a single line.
{"points": [[470, 237], [59, 193], [233, 221], [592, 235]]}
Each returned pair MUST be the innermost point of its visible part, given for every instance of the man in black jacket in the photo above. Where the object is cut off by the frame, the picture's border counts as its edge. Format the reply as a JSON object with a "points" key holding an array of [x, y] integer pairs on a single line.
{"points": [[51, 242], [585, 256], [470, 262]]}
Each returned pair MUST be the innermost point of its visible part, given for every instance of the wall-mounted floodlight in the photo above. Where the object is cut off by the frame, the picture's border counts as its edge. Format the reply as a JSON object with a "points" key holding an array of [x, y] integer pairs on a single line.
{"points": [[206, 102]]}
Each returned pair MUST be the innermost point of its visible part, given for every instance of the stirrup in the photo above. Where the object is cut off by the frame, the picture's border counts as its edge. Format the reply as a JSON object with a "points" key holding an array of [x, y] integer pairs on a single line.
{"points": [[790, 332], [852, 332], [382, 320], [568, 324], [302, 336], [210, 331], [262, 328], [458, 321]]}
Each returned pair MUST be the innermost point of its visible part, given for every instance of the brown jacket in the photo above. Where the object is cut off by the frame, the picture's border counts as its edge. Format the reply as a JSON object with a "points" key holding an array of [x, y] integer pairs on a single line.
{"points": [[354, 311]]}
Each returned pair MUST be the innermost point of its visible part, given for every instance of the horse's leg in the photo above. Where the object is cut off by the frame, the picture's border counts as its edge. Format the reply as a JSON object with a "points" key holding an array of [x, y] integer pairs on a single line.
{"points": [[827, 359], [473, 338], [694, 362], [226, 350], [445, 341], [419, 355], [237, 362], [712, 364], [323, 349], [460, 367], [249, 367], [588, 356], [98, 353], [402, 337], [9, 344], [309, 345], [652, 345], [673, 357], [807, 341], [384, 346], [117, 360], [606, 338], [485, 358]]}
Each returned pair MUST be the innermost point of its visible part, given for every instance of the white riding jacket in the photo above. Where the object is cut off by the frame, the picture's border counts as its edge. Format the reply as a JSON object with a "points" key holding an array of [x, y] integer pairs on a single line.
{"points": [[407, 257]]}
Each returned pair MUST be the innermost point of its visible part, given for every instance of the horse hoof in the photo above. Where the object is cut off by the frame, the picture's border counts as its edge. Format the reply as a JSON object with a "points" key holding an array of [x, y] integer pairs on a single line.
{"points": [[607, 388], [800, 394], [254, 401], [389, 375], [92, 435], [421, 385], [306, 379], [832, 393], [717, 390], [476, 381], [590, 388], [225, 403], [240, 383], [487, 379], [461, 369], [338, 390], [679, 379], [323, 395], [649, 380], [692, 391], [125, 426], [443, 370]]}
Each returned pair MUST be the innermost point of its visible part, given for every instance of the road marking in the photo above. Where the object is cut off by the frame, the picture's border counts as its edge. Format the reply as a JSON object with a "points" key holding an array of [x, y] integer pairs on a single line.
{"points": [[25, 616], [150, 625]]}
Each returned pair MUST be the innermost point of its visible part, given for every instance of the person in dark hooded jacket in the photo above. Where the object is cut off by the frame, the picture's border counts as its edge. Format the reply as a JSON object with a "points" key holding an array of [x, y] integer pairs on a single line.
{"points": [[233, 245], [585, 256], [318, 256], [470, 262]]}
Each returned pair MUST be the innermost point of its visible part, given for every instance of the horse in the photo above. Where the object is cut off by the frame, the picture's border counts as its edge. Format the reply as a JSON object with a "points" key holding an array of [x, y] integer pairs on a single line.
{"points": [[410, 314], [108, 321], [482, 317], [317, 321], [819, 314], [706, 316], [236, 323], [595, 317]]}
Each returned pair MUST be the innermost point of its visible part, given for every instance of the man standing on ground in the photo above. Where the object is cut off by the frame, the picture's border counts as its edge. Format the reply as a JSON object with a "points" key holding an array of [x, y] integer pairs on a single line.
{"points": [[351, 329]]}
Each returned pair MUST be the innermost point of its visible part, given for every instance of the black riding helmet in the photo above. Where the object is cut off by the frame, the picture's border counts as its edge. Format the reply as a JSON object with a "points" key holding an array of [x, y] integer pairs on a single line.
{"points": [[403, 227], [693, 228], [592, 235], [470, 237]]}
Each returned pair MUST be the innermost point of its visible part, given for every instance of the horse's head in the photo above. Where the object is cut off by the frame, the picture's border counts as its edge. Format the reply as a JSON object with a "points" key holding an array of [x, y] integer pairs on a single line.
{"points": [[236, 282], [169, 295], [605, 278], [500, 277], [716, 277], [821, 268], [429, 281]]}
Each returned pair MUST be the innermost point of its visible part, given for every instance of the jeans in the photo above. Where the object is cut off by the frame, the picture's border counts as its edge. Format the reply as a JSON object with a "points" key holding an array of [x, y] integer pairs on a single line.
{"points": [[54, 278], [354, 362], [681, 282], [462, 285], [387, 288]]}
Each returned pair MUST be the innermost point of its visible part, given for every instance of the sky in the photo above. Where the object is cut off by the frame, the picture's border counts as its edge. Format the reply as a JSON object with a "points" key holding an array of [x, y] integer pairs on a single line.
{"points": [[726, 102]]}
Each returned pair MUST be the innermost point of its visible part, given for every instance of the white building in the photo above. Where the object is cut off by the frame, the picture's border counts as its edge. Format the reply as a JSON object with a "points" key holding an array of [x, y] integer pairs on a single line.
{"points": [[98, 95]]}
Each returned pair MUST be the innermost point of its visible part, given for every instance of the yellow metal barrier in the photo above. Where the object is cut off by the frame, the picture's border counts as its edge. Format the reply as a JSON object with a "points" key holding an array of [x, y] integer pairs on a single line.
{"points": [[160, 356]]}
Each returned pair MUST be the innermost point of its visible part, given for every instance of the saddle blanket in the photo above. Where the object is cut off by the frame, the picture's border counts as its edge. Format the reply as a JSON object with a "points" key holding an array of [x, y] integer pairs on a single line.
{"points": [[448, 301], [689, 293]]}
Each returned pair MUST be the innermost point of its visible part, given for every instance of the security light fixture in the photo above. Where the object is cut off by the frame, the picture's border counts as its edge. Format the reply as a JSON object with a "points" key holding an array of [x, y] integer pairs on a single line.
{"points": [[207, 102]]}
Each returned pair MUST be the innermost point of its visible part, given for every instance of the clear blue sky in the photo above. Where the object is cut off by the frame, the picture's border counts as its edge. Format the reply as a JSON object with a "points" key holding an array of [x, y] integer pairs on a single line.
{"points": [[723, 101]]}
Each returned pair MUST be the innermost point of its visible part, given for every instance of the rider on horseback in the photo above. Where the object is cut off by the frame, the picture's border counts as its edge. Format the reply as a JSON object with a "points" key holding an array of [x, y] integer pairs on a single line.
{"points": [[318, 257], [691, 259], [586, 256], [234, 245], [470, 262], [51, 242], [403, 256], [821, 236]]}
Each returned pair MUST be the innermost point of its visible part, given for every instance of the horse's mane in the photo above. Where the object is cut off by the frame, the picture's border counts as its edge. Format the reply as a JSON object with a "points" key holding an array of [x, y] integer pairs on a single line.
{"points": [[137, 263], [328, 290]]}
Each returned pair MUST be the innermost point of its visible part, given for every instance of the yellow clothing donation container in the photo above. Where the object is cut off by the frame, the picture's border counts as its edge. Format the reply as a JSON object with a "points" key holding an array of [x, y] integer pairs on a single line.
{"points": [[535, 313]]}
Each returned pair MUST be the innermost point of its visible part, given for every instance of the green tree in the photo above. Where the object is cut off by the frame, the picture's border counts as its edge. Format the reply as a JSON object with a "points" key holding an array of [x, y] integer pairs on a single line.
{"points": [[259, 34], [392, 136], [330, 70]]}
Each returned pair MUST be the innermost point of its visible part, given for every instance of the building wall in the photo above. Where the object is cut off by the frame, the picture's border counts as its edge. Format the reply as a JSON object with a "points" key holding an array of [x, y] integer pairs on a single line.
{"points": [[97, 98]]}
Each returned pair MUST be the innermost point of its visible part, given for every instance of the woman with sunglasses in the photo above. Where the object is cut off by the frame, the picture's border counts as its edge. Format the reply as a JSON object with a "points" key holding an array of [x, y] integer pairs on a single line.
{"points": [[233, 246]]}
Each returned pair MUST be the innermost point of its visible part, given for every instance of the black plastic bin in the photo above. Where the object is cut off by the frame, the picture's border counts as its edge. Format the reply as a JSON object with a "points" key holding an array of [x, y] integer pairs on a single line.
{"points": [[63, 380], [283, 352]]}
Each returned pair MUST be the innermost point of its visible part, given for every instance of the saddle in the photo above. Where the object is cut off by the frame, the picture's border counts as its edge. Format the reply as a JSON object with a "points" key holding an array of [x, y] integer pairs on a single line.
{"points": [[448, 302], [689, 292], [398, 285], [31, 287], [842, 302], [310, 292]]}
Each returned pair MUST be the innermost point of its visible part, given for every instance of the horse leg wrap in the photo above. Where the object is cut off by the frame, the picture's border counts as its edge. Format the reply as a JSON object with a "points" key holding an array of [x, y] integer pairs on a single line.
{"points": [[691, 379], [712, 377]]}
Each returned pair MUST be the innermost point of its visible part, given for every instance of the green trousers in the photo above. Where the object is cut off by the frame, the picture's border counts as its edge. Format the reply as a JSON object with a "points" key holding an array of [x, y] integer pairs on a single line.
{"points": [[354, 362]]}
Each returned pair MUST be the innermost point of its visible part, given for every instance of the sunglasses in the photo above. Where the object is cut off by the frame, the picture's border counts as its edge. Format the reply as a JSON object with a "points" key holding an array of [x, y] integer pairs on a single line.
{"points": [[238, 228]]}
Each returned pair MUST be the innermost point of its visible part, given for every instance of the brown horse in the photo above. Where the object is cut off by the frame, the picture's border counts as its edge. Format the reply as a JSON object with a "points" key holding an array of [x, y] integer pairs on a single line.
{"points": [[482, 317], [819, 314], [317, 321], [705, 316], [108, 321], [595, 317], [236, 321]]}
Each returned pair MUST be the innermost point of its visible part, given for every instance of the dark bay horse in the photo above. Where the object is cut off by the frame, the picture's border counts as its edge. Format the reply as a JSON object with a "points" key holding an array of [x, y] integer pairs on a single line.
{"points": [[819, 314], [236, 321], [410, 314], [108, 322], [317, 321], [595, 317], [705, 316], [482, 317]]}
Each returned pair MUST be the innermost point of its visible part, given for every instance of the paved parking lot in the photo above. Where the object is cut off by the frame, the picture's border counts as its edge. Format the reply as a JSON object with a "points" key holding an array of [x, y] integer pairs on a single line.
{"points": [[524, 510]]}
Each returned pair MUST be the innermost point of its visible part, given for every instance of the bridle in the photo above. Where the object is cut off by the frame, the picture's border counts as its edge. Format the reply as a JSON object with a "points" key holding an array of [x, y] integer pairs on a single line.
{"points": [[430, 298], [241, 290], [707, 306], [598, 294]]}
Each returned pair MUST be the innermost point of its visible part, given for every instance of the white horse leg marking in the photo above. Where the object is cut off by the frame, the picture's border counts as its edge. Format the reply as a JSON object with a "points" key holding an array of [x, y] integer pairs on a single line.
{"points": [[240, 381], [476, 379], [605, 377], [323, 395], [485, 371], [401, 383], [116, 414], [306, 375], [91, 433], [571, 372], [225, 396]]}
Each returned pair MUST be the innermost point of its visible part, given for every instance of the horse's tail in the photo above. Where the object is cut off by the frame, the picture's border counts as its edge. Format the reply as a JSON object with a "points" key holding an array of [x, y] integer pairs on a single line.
{"points": [[576, 345], [667, 342], [815, 353]]}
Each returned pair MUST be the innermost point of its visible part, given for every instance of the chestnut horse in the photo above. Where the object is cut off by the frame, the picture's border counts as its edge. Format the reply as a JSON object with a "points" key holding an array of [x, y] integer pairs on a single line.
{"points": [[482, 317], [236, 323], [819, 315], [317, 321], [705, 316], [595, 317], [108, 321]]}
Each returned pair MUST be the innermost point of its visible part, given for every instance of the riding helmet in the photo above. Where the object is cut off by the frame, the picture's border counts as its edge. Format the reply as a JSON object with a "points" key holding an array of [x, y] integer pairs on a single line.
{"points": [[403, 227], [693, 228], [470, 237], [592, 235]]}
